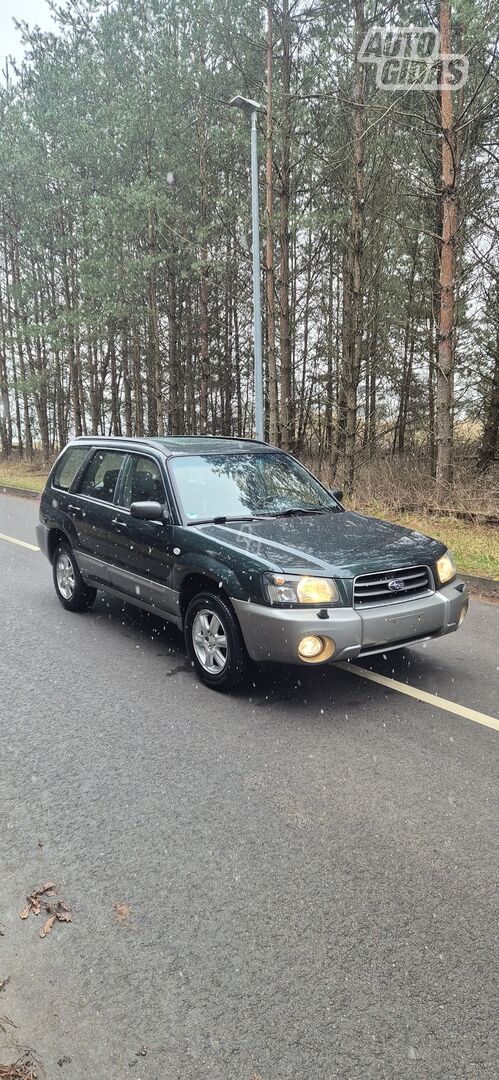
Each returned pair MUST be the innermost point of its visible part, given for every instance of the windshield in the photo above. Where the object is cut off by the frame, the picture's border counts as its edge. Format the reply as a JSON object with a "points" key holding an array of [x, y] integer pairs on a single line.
{"points": [[246, 485]]}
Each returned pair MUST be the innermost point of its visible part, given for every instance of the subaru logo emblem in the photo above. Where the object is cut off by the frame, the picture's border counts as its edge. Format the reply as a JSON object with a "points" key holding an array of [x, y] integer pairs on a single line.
{"points": [[396, 585]]}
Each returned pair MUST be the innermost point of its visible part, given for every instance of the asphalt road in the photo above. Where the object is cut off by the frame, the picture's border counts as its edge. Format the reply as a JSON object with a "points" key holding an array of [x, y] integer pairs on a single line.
{"points": [[310, 867]]}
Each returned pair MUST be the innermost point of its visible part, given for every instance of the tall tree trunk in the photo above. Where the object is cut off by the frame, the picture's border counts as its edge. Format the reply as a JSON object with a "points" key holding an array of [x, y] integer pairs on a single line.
{"points": [[406, 391], [269, 247], [137, 381], [431, 388], [287, 434], [490, 440], [115, 408], [237, 365], [399, 433], [38, 364], [28, 435], [304, 403], [203, 325], [174, 361], [448, 197], [127, 390], [328, 427], [156, 422], [190, 379], [5, 416], [73, 359], [353, 357], [373, 362]]}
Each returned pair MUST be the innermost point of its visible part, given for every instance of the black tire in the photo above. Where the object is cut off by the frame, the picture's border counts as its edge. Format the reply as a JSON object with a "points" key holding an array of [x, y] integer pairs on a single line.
{"points": [[237, 663], [75, 595]]}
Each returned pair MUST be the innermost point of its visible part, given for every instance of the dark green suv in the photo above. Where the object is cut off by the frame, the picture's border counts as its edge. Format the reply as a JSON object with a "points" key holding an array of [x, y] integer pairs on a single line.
{"points": [[243, 549]]}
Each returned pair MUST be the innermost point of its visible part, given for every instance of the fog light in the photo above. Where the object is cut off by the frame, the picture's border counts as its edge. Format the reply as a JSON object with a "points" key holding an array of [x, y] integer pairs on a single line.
{"points": [[310, 647], [315, 650], [463, 615]]}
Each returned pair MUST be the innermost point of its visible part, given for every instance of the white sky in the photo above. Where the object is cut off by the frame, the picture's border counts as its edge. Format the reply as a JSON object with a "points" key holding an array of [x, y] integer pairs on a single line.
{"points": [[34, 12]]}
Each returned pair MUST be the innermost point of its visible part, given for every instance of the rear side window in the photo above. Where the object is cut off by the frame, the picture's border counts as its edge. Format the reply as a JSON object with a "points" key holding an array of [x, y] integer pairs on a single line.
{"points": [[101, 476], [68, 466]]}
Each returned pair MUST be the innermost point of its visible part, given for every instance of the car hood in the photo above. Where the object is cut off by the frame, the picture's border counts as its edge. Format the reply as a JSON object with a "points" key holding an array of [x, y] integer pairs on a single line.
{"points": [[337, 545]]}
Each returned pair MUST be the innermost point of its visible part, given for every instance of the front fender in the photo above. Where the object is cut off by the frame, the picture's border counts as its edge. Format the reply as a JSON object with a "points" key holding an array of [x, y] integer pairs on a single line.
{"points": [[221, 576]]}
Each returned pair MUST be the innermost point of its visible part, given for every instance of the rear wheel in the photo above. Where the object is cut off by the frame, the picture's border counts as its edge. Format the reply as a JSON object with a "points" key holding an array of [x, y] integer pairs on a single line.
{"points": [[214, 642], [69, 584]]}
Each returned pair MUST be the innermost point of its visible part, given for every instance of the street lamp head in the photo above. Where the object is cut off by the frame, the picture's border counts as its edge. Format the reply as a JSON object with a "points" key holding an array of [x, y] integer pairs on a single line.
{"points": [[246, 104]]}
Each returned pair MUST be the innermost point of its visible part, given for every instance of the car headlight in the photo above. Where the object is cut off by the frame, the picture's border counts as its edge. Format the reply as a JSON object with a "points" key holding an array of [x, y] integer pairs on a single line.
{"points": [[445, 568], [294, 589]]}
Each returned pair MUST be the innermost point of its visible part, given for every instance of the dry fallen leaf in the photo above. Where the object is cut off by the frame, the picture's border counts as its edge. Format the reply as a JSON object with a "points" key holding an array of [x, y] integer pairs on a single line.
{"points": [[58, 911], [34, 900], [22, 1069], [3, 983], [122, 911], [47, 927], [49, 888]]}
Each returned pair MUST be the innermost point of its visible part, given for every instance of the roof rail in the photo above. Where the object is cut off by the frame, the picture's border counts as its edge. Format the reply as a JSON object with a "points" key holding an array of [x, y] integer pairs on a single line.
{"points": [[155, 438], [124, 438]]}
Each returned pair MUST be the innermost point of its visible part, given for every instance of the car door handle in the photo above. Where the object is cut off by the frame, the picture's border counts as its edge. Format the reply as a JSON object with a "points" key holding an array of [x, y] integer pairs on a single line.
{"points": [[117, 522], [77, 509]]}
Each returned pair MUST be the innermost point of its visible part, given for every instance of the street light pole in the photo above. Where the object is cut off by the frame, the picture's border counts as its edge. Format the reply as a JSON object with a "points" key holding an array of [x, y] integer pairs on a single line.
{"points": [[251, 108]]}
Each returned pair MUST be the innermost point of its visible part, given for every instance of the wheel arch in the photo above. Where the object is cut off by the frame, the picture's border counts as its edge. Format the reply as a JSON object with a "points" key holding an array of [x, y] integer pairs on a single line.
{"points": [[196, 582], [56, 536]]}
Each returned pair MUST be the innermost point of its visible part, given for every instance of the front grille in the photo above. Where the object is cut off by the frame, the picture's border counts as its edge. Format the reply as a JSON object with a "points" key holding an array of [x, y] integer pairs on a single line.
{"points": [[374, 588]]}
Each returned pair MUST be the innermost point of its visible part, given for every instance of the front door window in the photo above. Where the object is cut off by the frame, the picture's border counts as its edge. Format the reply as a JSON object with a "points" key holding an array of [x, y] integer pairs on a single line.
{"points": [[143, 482]]}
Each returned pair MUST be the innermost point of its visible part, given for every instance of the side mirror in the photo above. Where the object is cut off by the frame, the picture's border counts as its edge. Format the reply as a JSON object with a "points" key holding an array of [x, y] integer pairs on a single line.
{"points": [[337, 493], [149, 511]]}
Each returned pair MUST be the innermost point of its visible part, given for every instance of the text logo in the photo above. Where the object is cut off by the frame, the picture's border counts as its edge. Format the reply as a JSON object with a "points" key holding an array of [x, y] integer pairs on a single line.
{"points": [[409, 58]]}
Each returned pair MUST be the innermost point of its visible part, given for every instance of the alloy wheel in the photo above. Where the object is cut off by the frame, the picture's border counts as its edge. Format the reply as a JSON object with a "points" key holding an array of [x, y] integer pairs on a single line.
{"points": [[209, 641], [65, 576]]}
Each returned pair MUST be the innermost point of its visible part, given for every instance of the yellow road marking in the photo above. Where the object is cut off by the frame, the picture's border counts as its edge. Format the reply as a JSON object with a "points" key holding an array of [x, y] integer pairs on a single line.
{"points": [[20, 543], [423, 695]]}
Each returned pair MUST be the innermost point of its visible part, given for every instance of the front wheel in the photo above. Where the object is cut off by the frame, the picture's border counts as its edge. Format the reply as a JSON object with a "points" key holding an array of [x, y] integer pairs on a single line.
{"points": [[69, 584], [214, 642]]}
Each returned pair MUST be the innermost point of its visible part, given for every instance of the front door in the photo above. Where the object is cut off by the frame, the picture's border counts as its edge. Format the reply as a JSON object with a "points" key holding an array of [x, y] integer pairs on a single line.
{"points": [[142, 567]]}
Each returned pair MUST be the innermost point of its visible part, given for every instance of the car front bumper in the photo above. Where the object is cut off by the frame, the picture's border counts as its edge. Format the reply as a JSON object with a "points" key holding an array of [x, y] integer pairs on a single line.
{"points": [[273, 634]]}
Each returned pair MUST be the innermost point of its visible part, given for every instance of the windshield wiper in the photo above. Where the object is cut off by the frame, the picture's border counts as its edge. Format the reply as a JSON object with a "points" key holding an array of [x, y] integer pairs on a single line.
{"points": [[291, 510], [220, 519]]}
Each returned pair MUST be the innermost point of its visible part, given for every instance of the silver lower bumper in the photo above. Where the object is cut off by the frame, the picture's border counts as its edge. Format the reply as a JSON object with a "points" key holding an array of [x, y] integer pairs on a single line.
{"points": [[274, 634]]}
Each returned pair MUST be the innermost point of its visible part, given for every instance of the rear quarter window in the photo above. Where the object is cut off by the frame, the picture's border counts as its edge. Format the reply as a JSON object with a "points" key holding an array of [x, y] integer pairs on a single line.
{"points": [[68, 466]]}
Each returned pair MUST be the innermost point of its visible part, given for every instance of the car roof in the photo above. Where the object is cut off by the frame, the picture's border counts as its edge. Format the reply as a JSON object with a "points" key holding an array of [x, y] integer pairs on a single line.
{"points": [[179, 445]]}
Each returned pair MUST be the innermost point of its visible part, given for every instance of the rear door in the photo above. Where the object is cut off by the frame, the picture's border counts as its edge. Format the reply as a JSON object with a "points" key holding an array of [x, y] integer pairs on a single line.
{"points": [[142, 566], [92, 511]]}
